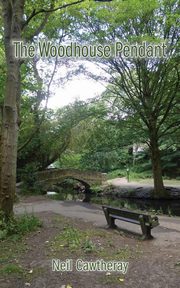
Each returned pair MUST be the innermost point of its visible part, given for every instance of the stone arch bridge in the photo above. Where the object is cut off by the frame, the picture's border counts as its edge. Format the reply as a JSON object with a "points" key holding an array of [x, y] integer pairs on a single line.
{"points": [[50, 177]]}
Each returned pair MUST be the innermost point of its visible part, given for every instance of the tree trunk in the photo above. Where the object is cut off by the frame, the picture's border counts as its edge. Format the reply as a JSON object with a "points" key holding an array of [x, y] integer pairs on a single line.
{"points": [[159, 189], [13, 15], [8, 159]]}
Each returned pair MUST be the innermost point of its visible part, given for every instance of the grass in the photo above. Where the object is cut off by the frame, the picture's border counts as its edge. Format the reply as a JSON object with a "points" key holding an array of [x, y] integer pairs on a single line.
{"points": [[133, 175], [12, 268], [16, 227], [73, 239], [84, 242], [91, 243], [17, 270], [12, 243], [10, 251]]}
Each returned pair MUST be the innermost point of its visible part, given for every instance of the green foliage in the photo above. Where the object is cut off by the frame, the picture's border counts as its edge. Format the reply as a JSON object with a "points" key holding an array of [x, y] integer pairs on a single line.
{"points": [[133, 175], [28, 174], [99, 136], [143, 89], [12, 268], [88, 246], [170, 162], [16, 227], [74, 239], [51, 137], [103, 142], [29, 178], [69, 159], [118, 173], [70, 237]]}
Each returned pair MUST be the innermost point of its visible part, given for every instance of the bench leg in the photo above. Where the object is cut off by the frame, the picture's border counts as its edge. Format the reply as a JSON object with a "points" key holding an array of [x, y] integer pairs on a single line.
{"points": [[146, 233], [146, 230], [110, 220], [111, 223]]}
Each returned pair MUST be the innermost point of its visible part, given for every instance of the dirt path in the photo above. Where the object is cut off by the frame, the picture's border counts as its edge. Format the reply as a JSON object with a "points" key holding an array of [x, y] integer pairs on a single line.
{"points": [[167, 232], [152, 264]]}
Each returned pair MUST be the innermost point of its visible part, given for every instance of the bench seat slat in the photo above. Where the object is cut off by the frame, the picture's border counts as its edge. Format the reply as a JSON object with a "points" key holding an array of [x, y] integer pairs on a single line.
{"points": [[124, 219], [127, 214], [131, 220]]}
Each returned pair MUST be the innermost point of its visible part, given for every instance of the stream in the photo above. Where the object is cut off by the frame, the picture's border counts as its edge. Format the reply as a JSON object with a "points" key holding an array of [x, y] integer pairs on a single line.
{"points": [[167, 207]]}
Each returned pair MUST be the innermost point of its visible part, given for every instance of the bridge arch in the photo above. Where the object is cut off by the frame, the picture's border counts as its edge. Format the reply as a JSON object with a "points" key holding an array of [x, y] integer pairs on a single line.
{"points": [[61, 180], [87, 178]]}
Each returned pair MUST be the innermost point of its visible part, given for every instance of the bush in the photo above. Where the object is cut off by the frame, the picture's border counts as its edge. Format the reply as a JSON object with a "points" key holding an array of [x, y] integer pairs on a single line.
{"points": [[18, 226], [117, 173]]}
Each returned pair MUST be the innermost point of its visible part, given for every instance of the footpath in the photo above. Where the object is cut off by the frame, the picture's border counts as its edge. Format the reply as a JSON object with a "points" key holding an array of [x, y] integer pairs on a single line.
{"points": [[168, 232]]}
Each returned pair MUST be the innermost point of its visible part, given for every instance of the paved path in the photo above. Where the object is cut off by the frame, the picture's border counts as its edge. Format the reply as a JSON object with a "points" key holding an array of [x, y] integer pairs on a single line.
{"points": [[123, 183], [167, 233]]}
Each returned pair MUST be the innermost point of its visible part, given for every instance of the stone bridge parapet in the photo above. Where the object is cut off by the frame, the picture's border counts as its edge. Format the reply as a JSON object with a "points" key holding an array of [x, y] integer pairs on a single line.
{"points": [[53, 176]]}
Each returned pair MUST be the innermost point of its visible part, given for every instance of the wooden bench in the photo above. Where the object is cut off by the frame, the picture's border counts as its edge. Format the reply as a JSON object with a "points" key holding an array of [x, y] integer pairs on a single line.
{"points": [[147, 222]]}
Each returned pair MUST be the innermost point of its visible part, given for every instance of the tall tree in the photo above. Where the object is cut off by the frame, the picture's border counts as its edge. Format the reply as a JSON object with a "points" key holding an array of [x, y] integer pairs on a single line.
{"points": [[18, 16], [148, 86], [16, 20]]}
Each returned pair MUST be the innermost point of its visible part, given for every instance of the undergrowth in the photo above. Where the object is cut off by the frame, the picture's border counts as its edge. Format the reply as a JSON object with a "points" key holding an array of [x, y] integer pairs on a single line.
{"points": [[18, 226]]}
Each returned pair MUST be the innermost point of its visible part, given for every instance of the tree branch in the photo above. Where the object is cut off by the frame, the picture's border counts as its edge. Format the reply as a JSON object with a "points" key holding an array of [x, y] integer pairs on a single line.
{"points": [[40, 28], [48, 92], [34, 13]]}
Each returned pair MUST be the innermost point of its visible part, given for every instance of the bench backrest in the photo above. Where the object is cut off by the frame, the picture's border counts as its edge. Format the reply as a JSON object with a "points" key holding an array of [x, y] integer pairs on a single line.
{"points": [[126, 213]]}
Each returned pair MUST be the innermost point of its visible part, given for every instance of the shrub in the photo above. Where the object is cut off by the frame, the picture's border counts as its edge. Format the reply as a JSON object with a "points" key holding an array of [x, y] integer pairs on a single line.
{"points": [[18, 226]]}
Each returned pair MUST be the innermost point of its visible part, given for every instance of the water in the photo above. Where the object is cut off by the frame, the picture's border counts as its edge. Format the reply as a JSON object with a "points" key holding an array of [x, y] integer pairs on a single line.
{"points": [[167, 207]]}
